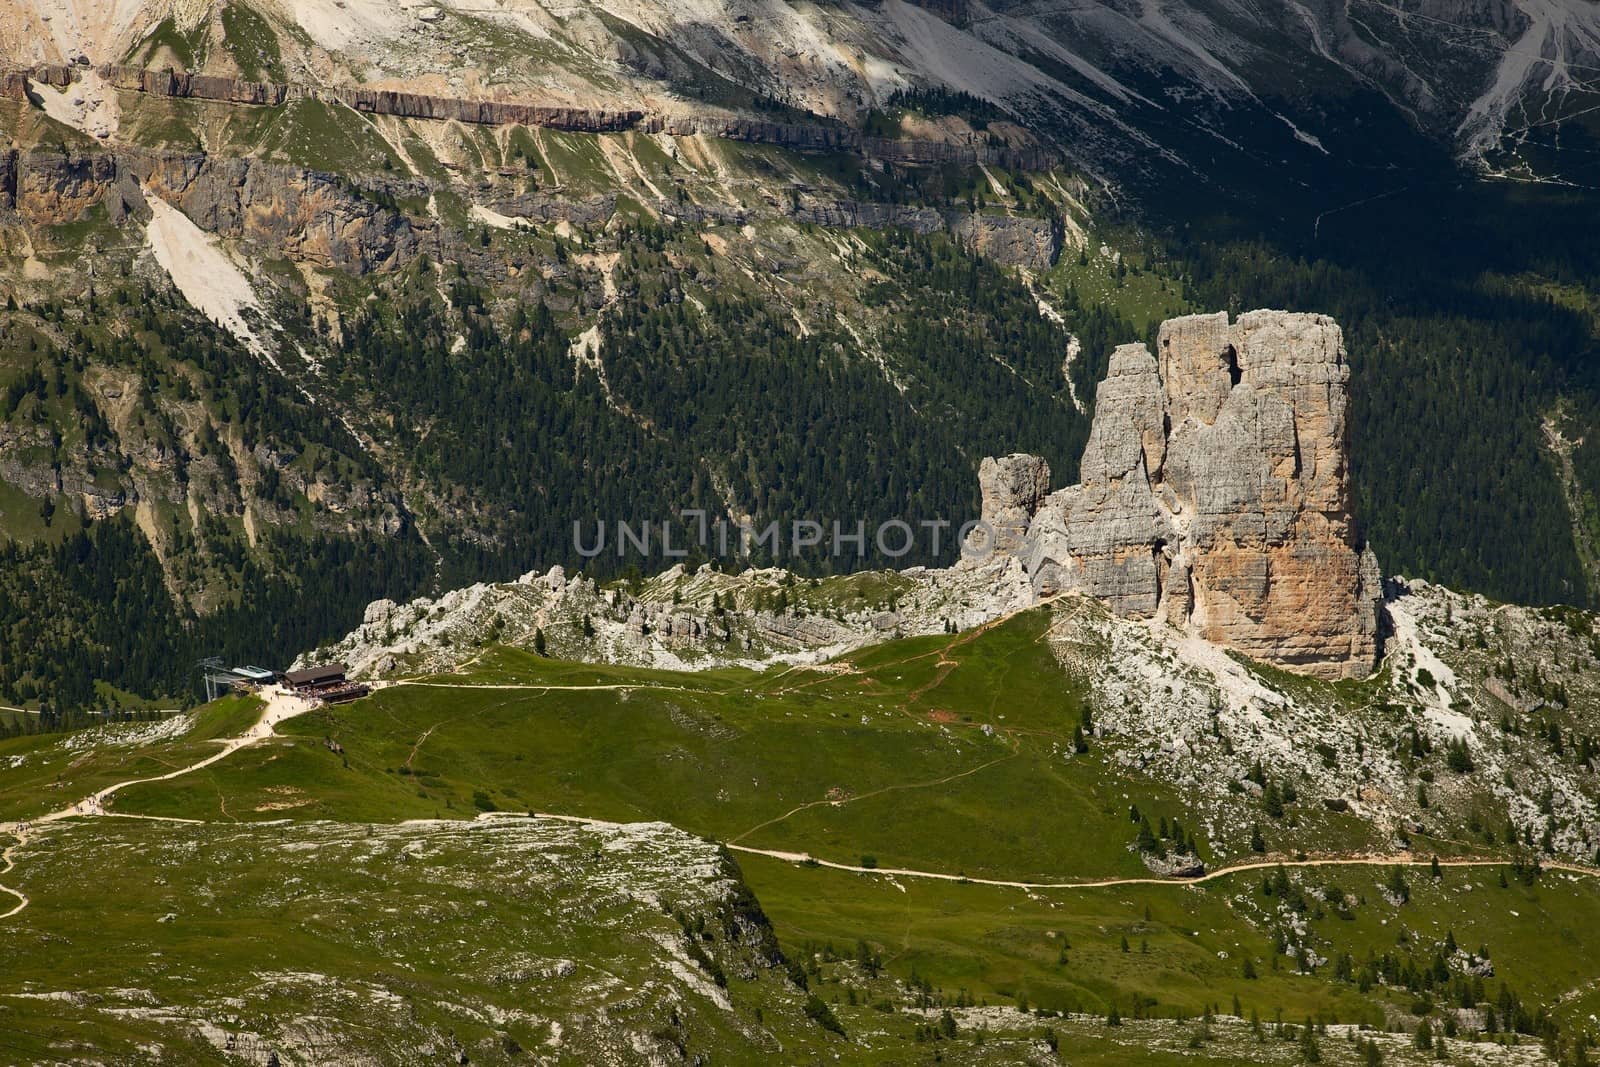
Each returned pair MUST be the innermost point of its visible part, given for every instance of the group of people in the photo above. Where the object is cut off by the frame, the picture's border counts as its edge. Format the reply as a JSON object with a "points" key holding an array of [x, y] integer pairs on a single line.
{"points": [[88, 806]]}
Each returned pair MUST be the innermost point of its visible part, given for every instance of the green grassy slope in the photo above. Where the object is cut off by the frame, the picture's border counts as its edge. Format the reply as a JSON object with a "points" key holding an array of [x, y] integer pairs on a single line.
{"points": [[942, 754], [398, 944], [45, 772], [903, 756]]}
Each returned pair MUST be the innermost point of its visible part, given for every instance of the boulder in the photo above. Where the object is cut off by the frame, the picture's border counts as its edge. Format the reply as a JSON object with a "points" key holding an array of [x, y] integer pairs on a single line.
{"points": [[379, 611]]}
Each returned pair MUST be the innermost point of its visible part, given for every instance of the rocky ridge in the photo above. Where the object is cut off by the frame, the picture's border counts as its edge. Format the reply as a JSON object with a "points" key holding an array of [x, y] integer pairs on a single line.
{"points": [[1214, 494], [313, 217], [1171, 705], [681, 619], [1214, 498], [1504, 685], [354, 224], [801, 136]]}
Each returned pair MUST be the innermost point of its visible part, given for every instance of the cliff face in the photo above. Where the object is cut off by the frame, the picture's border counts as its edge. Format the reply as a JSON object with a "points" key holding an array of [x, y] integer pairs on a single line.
{"points": [[1214, 492], [307, 215], [803, 137], [348, 224]]}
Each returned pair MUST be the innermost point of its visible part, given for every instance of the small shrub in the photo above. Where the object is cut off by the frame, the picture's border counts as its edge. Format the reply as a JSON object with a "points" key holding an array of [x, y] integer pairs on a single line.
{"points": [[818, 1012]]}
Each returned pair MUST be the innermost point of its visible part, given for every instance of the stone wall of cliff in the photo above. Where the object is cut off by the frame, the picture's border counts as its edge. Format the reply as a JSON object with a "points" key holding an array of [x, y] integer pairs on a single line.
{"points": [[814, 137], [351, 224], [1214, 493], [306, 215]]}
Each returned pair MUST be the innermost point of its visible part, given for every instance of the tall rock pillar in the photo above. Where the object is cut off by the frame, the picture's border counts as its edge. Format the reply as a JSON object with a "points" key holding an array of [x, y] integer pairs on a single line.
{"points": [[1215, 493]]}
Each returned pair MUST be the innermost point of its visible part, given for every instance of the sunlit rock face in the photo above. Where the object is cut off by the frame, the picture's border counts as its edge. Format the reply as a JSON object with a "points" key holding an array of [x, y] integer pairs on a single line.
{"points": [[1215, 493]]}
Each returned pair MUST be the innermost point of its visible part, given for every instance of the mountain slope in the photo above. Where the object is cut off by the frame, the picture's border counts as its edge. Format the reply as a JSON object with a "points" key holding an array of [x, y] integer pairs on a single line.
{"points": [[1119, 81], [898, 812], [813, 264]]}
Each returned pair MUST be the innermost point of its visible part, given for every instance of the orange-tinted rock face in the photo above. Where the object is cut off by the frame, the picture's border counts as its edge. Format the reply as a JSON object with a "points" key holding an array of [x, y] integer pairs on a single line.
{"points": [[1215, 493], [301, 214]]}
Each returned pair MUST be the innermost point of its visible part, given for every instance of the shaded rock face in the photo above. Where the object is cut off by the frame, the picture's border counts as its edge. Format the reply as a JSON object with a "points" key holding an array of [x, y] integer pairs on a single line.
{"points": [[1013, 487], [1107, 535], [1214, 492]]}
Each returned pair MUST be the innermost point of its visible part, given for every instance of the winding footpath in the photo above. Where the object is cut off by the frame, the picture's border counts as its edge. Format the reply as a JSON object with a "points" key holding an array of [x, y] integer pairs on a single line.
{"points": [[1398, 859], [279, 705]]}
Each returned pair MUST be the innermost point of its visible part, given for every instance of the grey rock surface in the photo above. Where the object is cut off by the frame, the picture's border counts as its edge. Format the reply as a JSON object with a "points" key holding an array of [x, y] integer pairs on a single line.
{"points": [[1215, 492]]}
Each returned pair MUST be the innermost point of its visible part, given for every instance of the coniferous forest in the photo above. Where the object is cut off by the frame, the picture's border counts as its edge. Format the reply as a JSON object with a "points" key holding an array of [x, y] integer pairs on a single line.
{"points": [[496, 438]]}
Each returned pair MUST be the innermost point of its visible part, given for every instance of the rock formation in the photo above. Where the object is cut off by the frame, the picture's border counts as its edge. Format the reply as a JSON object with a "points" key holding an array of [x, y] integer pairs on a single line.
{"points": [[1013, 487], [804, 136], [308, 216], [1009, 240], [1214, 492]]}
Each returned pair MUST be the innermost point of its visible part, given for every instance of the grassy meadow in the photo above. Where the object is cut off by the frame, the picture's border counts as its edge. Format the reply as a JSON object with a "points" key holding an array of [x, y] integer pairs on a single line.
{"points": [[383, 845]]}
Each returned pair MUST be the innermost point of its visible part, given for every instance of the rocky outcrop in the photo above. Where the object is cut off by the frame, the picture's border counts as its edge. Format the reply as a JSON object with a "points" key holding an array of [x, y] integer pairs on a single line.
{"points": [[1214, 492], [14, 84], [306, 215], [544, 209], [927, 153], [1012, 487], [194, 86], [816, 137], [480, 112], [847, 214], [51, 189], [311, 217], [1009, 240], [374, 101]]}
